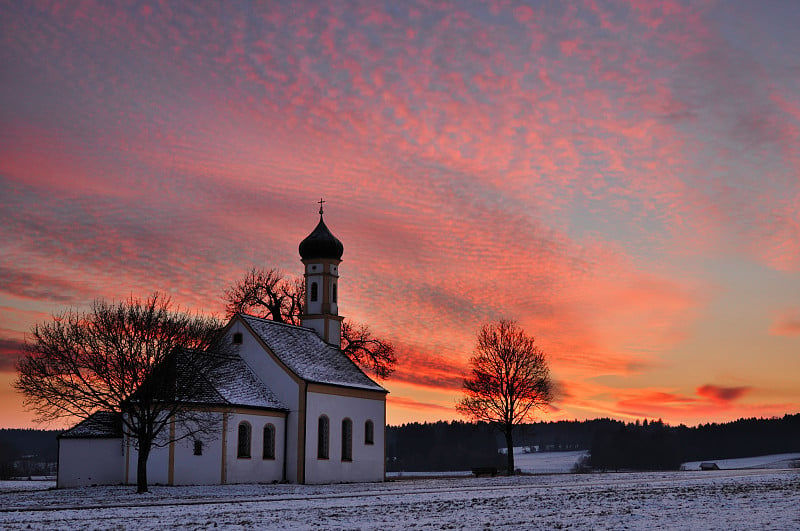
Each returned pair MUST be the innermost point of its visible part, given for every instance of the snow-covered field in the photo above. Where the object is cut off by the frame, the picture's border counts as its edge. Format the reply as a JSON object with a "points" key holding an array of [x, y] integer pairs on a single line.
{"points": [[547, 462], [764, 461], [528, 463], [725, 499]]}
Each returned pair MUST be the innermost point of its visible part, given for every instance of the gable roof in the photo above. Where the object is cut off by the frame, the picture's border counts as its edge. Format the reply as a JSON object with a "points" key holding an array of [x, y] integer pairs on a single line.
{"points": [[304, 353], [232, 384], [99, 425], [235, 384]]}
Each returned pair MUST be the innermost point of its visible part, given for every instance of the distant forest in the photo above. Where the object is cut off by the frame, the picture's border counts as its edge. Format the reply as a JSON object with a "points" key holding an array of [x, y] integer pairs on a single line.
{"points": [[613, 444], [450, 446], [28, 452]]}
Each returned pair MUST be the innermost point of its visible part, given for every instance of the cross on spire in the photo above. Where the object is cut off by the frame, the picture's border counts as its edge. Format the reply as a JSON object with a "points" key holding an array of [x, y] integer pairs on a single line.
{"points": [[321, 201]]}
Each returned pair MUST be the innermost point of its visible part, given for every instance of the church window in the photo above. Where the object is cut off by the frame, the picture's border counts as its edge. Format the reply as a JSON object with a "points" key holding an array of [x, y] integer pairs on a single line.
{"points": [[323, 442], [243, 446], [369, 432], [198, 447], [347, 440], [333, 292], [314, 294], [237, 338], [269, 442]]}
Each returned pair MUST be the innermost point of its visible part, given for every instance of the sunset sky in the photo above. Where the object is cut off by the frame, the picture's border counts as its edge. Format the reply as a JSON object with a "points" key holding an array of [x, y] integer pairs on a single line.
{"points": [[621, 178]]}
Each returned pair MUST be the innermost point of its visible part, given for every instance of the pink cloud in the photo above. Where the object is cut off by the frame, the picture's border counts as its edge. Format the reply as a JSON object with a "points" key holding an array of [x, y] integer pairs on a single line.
{"points": [[722, 394], [786, 323]]}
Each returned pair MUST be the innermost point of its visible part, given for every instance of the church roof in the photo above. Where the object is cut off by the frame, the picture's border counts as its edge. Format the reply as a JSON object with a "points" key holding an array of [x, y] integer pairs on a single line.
{"points": [[308, 356], [99, 425], [235, 384], [321, 243]]}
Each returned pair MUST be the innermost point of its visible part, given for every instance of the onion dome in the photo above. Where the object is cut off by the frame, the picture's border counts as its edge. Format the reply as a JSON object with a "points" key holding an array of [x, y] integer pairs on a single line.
{"points": [[321, 243]]}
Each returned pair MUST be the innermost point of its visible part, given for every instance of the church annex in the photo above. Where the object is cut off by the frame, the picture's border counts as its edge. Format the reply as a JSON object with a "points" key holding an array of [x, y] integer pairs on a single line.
{"points": [[291, 407]]}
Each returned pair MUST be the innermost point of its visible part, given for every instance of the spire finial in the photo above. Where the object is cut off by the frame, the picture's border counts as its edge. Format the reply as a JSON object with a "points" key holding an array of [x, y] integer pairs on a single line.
{"points": [[321, 201]]}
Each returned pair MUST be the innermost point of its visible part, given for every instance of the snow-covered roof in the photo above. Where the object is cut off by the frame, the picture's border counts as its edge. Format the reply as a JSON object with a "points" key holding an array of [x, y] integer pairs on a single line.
{"points": [[99, 425], [235, 384], [308, 356]]}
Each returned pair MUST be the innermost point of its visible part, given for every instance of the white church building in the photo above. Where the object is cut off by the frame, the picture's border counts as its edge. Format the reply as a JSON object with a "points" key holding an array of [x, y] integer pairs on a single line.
{"points": [[292, 407]]}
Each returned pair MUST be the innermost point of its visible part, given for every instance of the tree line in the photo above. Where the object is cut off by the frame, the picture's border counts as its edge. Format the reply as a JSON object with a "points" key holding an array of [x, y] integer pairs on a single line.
{"points": [[613, 444], [27, 452]]}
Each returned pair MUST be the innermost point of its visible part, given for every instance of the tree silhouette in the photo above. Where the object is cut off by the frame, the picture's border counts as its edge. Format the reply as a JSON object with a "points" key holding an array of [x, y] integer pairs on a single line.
{"points": [[270, 294], [139, 359], [509, 379]]}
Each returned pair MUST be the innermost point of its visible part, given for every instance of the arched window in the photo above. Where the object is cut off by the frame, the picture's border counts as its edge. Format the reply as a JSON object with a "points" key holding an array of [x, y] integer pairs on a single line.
{"points": [[369, 432], [347, 440], [333, 292], [323, 440], [269, 442], [314, 292], [243, 444]]}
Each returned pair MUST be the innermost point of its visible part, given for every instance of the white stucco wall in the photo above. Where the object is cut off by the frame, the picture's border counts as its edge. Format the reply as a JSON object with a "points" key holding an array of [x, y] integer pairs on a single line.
{"points": [[83, 462], [254, 469], [204, 469], [280, 383], [157, 465], [368, 459]]}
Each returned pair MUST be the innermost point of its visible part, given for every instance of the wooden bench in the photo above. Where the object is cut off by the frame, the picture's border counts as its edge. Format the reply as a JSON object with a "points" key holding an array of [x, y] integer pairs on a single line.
{"points": [[484, 471]]}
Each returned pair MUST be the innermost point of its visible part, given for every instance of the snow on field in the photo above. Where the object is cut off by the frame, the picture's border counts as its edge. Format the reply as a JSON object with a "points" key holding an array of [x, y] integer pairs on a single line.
{"points": [[528, 463], [21, 485], [742, 499], [764, 461], [547, 462]]}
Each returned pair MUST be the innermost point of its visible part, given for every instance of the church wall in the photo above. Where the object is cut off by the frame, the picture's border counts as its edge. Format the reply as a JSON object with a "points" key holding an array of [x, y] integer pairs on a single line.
{"points": [[204, 469], [254, 469], [368, 459], [282, 384], [84, 462], [157, 465]]}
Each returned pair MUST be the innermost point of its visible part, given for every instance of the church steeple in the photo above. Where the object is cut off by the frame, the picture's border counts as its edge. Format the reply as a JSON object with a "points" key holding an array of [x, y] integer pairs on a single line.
{"points": [[321, 253]]}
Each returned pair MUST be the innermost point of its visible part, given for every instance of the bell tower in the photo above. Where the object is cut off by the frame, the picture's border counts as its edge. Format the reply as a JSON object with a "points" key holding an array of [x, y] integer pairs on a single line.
{"points": [[321, 253]]}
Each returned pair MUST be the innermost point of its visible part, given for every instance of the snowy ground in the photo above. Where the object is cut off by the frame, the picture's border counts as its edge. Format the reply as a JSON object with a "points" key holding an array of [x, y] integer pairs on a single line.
{"points": [[725, 499], [764, 461], [528, 463]]}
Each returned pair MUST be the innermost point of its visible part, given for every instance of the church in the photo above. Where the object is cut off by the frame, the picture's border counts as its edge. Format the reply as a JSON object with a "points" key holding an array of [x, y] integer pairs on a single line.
{"points": [[292, 406]]}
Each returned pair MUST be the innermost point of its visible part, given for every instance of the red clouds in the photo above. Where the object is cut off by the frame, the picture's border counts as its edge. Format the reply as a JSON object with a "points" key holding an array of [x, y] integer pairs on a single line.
{"points": [[722, 394], [581, 167]]}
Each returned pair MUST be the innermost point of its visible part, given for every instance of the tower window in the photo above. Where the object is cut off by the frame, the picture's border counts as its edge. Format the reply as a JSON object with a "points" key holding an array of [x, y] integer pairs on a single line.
{"points": [[314, 292], [369, 432], [323, 429], [243, 444], [269, 442], [198, 447], [333, 292], [347, 440], [237, 338]]}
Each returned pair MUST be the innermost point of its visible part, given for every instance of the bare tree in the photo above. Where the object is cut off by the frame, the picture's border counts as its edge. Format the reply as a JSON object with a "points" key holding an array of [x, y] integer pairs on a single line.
{"points": [[509, 380], [140, 359], [270, 294], [366, 350]]}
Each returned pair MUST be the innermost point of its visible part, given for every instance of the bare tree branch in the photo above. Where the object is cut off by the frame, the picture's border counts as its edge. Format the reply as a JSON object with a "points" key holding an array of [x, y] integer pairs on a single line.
{"points": [[270, 294], [366, 350], [139, 358], [509, 380]]}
